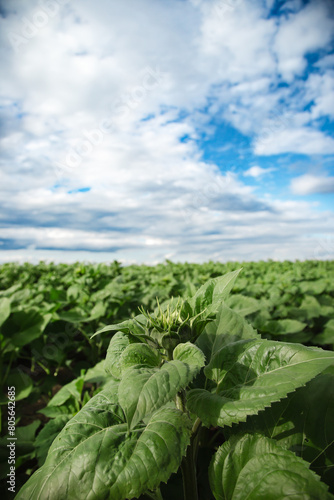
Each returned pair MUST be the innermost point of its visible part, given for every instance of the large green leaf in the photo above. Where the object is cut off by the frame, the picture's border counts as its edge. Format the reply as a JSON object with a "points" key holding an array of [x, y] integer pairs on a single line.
{"points": [[143, 390], [303, 423], [95, 457], [157, 454], [252, 374], [228, 327], [254, 467], [211, 294], [69, 468]]}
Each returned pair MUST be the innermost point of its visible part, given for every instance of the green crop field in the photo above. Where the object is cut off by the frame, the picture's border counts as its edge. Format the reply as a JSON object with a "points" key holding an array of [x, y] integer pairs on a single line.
{"points": [[194, 381]]}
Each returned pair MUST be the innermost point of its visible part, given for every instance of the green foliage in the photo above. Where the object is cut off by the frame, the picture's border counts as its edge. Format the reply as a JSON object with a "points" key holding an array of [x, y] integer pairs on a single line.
{"points": [[117, 464], [250, 375], [138, 354], [255, 467], [144, 390], [192, 383]]}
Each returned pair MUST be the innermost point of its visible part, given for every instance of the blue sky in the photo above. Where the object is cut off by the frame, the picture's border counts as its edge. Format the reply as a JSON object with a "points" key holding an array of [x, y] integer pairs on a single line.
{"points": [[143, 130]]}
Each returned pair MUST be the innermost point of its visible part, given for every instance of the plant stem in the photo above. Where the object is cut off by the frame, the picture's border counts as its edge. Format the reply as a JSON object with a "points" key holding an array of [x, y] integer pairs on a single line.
{"points": [[188, 468], [196, 437], [188, 464], [9, 366], [47, 371]]}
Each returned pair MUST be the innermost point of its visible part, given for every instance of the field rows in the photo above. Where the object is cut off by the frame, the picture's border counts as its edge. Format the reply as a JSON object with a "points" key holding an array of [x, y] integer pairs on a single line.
{"points": [[48, 314]]}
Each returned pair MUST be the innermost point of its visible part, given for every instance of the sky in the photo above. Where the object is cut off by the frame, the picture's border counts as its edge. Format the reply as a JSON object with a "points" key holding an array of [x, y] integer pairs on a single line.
{"points": [[145, 130]]}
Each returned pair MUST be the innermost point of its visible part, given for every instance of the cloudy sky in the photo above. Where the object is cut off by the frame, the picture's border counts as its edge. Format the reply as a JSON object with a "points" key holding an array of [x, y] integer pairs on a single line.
{"points": [[150, 129]]}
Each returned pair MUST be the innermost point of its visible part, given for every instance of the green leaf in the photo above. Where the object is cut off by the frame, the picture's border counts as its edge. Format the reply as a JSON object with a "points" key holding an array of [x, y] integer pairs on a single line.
{"points": [[316, 287], [283, 326], [21, 381], [144, 390], [65, 474], [9, 291], [75, 315], [31, 325], [228, 327], [190, 354], [327, 305], [98, 311], [243, 305], [252, 374], [303, 423], [95, 457], [138, 354], [117, 345], [255, 467], [327, 336], [25, 438], [47, 435], [68, 409], [65, 401], [4, 309], [135, 326], [72, 389], [74, 292], [212, 294], [157, 454], [310, 307]]}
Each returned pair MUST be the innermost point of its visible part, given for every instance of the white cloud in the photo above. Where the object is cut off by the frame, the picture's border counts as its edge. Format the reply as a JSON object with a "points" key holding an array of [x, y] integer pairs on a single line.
{"points": [[104, 95], [320, 91], [311, 184], [299, 140], [234, 41], [257, 171], [304, 31]]}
